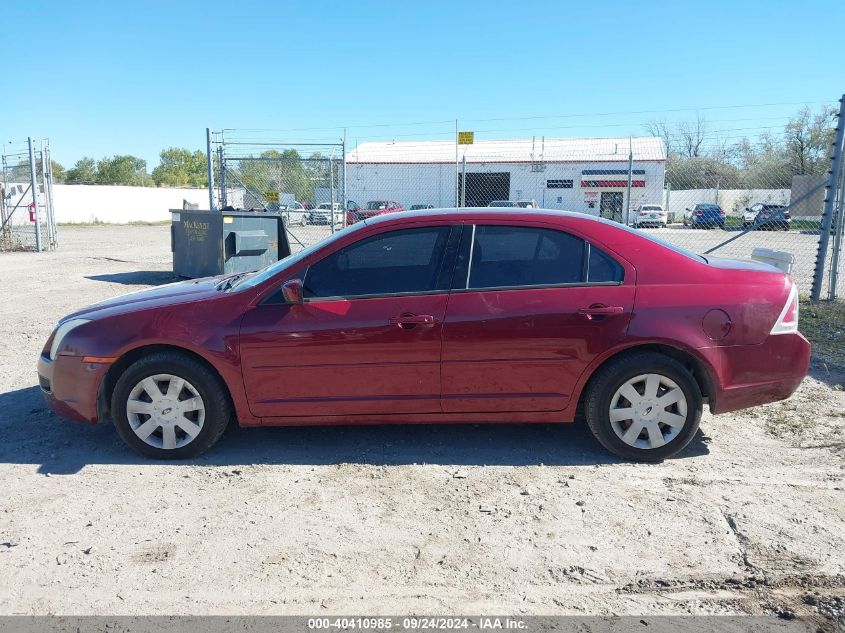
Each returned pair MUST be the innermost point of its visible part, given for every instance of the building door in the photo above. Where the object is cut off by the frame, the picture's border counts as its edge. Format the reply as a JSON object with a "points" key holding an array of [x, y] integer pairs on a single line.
{"points": [[611, 205], [483, 188]]}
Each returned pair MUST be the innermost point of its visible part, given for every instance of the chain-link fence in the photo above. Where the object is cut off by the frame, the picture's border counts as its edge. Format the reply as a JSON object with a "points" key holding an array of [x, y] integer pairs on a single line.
{"points": [[27, 218], [304, 182], [716, 192]]}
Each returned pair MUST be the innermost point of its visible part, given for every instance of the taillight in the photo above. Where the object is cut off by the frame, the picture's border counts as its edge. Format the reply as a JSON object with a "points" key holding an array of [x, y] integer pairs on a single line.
{"points": [[787, 322], [722, 213], [699, 213]]}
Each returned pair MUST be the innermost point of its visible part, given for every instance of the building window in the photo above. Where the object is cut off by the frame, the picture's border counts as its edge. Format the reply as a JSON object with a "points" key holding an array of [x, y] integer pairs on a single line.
{"points": [[559, 184]]}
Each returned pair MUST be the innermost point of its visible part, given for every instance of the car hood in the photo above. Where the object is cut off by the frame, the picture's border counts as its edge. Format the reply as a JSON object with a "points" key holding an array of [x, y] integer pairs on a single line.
{"points": [[169, 294]]}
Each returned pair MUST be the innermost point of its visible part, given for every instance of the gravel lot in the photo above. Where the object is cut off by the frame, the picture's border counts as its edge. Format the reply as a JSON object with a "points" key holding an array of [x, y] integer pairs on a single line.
{"points": [[499, 519]]}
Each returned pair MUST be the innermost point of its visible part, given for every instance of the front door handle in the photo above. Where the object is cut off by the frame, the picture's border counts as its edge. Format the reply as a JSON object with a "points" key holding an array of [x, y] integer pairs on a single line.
{"points": [[600, 311], [409, 321]]}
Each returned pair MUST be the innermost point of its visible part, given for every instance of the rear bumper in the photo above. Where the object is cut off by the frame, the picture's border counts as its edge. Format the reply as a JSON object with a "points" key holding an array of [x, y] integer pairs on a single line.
{"points": [[70, 387], [781, 361]]}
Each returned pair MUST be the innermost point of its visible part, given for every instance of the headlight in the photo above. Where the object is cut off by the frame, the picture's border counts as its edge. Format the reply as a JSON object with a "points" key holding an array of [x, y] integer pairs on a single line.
{"points": [[61, 332]]}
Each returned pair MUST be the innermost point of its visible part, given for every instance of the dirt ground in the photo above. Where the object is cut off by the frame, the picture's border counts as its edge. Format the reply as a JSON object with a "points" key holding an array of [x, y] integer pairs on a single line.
{"points": [[750, 519]]}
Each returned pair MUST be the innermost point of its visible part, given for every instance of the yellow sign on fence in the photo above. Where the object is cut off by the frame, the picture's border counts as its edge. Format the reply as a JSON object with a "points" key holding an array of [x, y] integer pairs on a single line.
{"points": [[271, 196], [466, 138]]}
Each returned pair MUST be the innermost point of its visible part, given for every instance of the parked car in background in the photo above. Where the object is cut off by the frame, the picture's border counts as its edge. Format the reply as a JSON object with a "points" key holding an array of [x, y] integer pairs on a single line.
{"points": [[705, 216], [649, 215], [419, 207], [523, 204], [452, 316], [770, 216], [372, 209], [294, 213], [324, 212]]}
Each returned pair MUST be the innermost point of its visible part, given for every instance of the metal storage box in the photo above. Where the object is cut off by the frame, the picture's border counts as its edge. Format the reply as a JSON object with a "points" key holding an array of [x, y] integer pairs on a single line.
{"points": [[206, 243]]}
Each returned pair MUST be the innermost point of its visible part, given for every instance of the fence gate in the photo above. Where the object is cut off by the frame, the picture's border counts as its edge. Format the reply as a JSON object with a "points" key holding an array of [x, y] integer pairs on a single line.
{"points": [[304, 182], [27, 218]]}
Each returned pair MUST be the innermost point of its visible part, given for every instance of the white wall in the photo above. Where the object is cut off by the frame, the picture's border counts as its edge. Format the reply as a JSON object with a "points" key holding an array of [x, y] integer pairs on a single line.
{"points": [[119, 205]]}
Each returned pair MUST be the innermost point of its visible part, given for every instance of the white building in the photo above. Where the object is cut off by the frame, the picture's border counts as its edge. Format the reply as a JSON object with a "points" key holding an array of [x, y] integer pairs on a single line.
{"points": [[587, 175]]}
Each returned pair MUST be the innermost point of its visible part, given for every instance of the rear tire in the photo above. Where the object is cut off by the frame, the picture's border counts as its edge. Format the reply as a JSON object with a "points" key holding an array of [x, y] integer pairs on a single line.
{"points": [[169, 405], [653, 432]]}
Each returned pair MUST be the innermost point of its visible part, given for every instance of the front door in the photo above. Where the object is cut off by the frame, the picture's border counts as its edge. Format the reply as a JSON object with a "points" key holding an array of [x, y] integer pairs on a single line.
{"points": [[530, 311], [611, 205], [367, 338]]}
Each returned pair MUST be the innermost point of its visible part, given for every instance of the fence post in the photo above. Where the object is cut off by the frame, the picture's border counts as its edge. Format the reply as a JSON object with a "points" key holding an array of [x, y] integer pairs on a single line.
{"points": [[827, 213], [210, 169], [45, 170], [839, 215], [457, 167], [34, 181], [331, 191], [345, 200], [630, 176], [463, 181]]}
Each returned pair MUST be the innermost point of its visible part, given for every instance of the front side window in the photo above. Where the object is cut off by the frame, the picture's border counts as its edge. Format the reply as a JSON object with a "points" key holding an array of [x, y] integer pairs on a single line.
{"points": [[404, 261]]}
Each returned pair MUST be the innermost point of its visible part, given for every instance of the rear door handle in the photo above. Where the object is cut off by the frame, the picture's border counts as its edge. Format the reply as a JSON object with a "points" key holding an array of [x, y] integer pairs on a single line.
{"points": [[408, 321], [600, 311]]}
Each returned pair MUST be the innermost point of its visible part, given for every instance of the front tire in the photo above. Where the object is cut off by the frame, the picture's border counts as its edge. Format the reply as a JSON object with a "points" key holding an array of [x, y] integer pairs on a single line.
{"points": [[169, 405], [643, 407]]}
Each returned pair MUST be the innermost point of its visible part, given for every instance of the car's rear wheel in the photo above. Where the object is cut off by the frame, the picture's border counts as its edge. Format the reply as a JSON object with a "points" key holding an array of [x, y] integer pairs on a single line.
{"points": [[643, 407], [170, 406]]}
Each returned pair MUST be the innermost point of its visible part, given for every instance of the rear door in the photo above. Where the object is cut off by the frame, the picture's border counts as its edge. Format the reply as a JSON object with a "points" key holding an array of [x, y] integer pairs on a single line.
{"points": [[530, 308]]}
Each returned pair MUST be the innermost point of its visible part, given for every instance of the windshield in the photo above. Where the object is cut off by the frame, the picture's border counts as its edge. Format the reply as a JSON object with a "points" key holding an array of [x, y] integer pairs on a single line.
{"points": [[709, 207], [325, 205], [376, 205], [260, 276], [652, 207]]}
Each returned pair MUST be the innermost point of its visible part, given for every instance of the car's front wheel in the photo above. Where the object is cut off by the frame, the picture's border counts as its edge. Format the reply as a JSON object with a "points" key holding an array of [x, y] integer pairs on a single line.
{"points": [[643, 407], [169, 405]]}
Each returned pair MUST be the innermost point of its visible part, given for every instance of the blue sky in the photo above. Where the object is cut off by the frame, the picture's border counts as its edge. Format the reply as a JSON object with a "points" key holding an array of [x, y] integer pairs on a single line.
{"points": [[112, 78]]}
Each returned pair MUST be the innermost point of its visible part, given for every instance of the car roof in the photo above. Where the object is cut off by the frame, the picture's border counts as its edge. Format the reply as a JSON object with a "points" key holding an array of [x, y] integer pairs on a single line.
{"points": [[484, 213]]}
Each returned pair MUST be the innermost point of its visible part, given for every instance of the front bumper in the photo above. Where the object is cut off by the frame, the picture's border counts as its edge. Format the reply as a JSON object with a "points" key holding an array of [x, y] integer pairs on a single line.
{"points": [[71, 387], [783, 359]]}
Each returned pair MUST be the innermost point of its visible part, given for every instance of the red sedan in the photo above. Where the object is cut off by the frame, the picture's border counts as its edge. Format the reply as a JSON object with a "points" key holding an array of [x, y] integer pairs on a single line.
{"points": [[471, 315], [373, 209]]}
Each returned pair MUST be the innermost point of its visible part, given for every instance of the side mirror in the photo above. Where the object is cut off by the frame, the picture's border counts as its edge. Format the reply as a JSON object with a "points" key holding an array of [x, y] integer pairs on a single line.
{"points": [[292, 291]]}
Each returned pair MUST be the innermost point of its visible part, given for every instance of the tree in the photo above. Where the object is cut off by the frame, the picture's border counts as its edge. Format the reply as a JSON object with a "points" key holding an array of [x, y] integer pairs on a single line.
{"points": [[181, 168], [83, 172], [691, 135], [276, 172], [122, 170], [808, 139], [20, 172], [59, 173]]}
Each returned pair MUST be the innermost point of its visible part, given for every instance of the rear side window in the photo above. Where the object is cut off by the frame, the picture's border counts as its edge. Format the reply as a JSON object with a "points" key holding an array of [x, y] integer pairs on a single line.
{"points": [[517, 256], [405, 261], [603, 268], [505, 256]]}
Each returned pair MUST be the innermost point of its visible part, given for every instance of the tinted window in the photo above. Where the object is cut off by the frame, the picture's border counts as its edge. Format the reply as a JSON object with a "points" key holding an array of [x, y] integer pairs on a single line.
{"points": [[389, 263], [602, 267], [524, 256]]}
